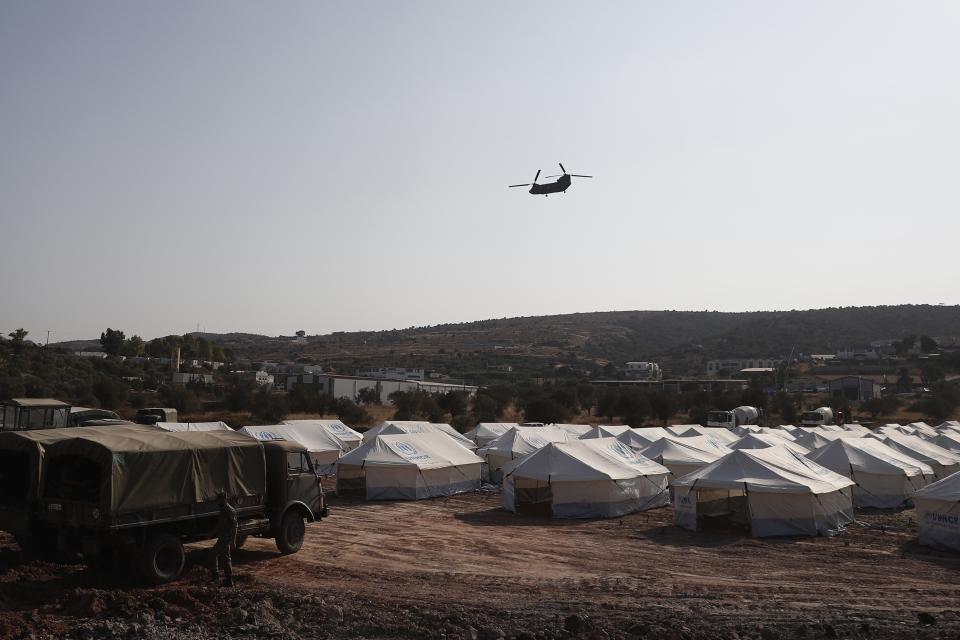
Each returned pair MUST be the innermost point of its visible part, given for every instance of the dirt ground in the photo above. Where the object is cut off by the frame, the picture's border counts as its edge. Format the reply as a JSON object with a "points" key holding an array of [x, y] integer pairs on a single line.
{"points": [[462, 568]]}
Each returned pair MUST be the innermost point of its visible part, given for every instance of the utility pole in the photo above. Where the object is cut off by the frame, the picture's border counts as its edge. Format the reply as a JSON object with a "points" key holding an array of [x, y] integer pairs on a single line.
{"points": [[48, 338]]}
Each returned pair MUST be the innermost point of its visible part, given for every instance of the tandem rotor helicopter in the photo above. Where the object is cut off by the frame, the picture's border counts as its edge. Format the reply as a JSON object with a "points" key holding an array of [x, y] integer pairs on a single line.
{"points": [[559, 186]]}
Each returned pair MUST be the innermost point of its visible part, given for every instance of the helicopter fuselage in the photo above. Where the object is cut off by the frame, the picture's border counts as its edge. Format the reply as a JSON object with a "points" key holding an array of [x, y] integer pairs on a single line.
{"points": [[562, 184]]}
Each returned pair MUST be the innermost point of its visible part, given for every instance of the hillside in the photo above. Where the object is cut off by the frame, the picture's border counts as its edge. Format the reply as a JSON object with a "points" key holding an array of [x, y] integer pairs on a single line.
{"points": [[681, 340]]}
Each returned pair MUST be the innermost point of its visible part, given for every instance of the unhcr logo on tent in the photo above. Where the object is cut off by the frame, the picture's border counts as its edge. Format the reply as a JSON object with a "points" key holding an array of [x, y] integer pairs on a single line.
{"points": [[407, 448], [933, 517], [410, 452], [621, 451], [338, 428]]}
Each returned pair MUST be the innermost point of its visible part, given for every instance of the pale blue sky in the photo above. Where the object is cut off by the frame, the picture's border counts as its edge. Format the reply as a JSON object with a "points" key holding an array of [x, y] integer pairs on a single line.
{"points": [[269, 167]]}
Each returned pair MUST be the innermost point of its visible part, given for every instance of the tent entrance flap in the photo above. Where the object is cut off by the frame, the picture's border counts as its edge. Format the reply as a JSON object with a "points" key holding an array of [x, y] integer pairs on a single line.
{"points": [[722, 509], [533, 498], [351, 482]]}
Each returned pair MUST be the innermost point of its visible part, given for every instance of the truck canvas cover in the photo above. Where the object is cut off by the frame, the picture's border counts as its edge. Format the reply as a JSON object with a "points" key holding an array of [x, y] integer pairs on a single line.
{"points": [[33, 443], [141, 471]]}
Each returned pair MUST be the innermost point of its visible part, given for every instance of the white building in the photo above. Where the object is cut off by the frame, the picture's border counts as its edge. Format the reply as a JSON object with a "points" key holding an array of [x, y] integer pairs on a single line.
{"points": [[732, 366], [180, 377], [393, 373], [261, 378], [645, 370], [350, 386]]}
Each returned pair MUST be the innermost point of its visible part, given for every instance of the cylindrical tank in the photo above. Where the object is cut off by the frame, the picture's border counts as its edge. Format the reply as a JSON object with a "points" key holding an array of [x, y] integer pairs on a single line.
{"points": [[746, 415]]}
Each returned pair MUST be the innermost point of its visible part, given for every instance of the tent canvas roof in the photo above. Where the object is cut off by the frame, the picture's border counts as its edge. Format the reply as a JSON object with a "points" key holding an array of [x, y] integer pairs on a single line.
{"points": [[193, 426], [336, 428], [868, 456], [585, 460], [490, 430], [763, 441], [521, 441], [947, 489], [917, 447], [604, 431], [681, 451], [771, 470], [424, 450], [399, 428], [312, 438]]}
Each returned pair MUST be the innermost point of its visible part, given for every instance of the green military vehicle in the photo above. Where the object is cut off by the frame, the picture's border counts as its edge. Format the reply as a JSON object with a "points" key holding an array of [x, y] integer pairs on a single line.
{"points": [[21, 462], [19, 414], [139, 495]]}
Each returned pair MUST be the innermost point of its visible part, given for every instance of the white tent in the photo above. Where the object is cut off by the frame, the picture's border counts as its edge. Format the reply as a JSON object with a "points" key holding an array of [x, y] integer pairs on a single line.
{"points": [[518, 443], [923, 430], [853, 427], [372, 433], [349, 438], [951, 425], [816, 439], [895, 428], [780, 433], [324, 449], [193, 426], [938, 513], [576, 430], [884, 477], [943, 461], [605, 431], [596, 478], [773, 491], [684, 429], [408, 467], [391, 428], [694, 430], [788, 427], [949, 440], [681, 455], [763, 441], [486, 432], [642, 437]]}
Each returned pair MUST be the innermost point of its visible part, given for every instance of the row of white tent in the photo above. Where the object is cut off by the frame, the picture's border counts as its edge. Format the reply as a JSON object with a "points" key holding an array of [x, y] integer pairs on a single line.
{"points": [[782, 481]]}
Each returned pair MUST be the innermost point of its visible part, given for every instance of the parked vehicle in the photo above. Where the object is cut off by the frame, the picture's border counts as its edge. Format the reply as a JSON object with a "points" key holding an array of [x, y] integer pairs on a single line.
{"points": [[153, 415], [817, 417], [19, 414], [736, 418], [135, 497]]}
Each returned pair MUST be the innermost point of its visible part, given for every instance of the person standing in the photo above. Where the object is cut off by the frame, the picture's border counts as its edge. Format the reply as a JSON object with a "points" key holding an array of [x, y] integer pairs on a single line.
{"points": [[226, 536]]}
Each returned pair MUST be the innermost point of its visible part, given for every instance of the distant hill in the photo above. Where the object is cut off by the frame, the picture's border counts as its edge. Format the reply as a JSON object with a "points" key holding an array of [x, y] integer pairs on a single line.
{"points": [[681, 340]]}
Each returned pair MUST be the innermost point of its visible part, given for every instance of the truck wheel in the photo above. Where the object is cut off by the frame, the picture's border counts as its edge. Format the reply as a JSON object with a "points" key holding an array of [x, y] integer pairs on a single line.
{"points": [[239, 542], [162, 558], [292, 530]]}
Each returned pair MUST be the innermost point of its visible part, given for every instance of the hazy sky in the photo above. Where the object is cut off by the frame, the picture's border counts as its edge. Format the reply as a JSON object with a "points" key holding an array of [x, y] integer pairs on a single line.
{"points": [[269, 167]]}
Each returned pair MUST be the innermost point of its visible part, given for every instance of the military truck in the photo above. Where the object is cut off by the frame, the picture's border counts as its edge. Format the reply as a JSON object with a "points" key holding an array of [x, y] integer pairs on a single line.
{"points": [[21, 458], [19, 414], [153, 415], [139, 496]]}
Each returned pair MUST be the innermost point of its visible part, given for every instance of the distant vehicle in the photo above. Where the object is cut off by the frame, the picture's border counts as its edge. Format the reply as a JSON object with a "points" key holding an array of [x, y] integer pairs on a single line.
{"points": [[558, 186], [84, 416], [22, 414], [817, 417], [738, 417], [153, 415]]}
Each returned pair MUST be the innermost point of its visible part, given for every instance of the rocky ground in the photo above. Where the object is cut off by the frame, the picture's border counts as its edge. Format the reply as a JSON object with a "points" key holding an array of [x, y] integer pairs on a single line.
{"points": [[461, 568]]}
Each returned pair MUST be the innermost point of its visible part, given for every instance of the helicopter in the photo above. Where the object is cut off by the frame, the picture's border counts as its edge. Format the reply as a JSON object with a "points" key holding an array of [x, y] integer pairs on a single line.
{"points": [[559, 186]]}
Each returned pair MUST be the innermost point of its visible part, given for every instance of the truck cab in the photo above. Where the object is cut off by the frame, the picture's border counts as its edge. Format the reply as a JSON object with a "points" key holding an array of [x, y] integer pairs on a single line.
{"points": [[22, 414], [294, 493], [153, 415]]}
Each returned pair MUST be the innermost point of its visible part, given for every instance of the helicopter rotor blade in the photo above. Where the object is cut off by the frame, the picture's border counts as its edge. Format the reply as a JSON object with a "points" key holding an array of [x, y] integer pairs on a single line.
{"points": [[561, 167], [519, 185], [553, 176], [536, 176], [577, 175]]}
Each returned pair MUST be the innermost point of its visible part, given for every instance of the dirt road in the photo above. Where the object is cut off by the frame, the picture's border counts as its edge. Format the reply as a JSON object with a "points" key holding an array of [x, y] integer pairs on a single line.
{"points": [[437, 568]]}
